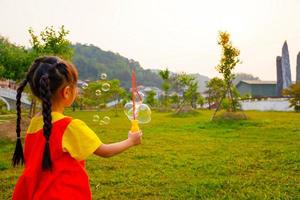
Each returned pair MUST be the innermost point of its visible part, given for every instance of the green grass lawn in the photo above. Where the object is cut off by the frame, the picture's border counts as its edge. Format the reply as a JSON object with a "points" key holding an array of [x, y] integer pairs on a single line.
{"points": [[189, 157]]}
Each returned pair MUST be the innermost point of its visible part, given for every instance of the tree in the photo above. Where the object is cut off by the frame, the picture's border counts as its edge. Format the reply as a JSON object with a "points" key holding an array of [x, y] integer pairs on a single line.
{"points": [[293, 91], [94, 95], [190, 92], [215, 90], [116, 92], [175, 100], [50, 42], [229, 59], [165, 75], [150, 99], [14, 60]]}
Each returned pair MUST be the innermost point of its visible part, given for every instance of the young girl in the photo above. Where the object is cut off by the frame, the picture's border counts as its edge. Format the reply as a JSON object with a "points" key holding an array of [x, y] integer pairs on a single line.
{"points": [[57, 145]]}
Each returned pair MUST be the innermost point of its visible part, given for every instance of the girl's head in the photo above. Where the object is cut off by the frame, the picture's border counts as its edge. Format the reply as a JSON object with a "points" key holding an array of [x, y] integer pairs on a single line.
{"points": [[52, 80]]}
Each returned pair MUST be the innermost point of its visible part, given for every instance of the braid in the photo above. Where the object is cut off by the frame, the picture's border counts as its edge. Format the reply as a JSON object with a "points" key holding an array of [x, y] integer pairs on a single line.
{"points": [[45, 95], [18, 154]]}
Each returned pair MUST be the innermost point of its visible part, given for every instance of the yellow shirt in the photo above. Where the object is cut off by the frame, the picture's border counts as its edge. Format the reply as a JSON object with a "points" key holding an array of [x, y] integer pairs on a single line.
{"points": [[79, 140]]}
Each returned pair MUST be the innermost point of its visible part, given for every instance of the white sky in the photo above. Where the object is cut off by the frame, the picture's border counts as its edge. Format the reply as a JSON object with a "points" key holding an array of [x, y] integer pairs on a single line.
{"points": [[181, 35]]}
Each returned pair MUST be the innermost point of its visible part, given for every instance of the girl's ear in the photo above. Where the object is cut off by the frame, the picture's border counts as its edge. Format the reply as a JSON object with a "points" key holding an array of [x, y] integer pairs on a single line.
{"points": [[66, 92]]}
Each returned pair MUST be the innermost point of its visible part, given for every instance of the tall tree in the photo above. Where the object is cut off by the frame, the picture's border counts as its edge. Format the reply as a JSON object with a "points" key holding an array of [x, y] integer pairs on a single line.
{"points": [[50, 42], [229, 59]]}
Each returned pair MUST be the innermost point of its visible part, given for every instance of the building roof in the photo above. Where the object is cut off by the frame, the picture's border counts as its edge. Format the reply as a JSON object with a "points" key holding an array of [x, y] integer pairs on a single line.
{"points": [[258, 82]]}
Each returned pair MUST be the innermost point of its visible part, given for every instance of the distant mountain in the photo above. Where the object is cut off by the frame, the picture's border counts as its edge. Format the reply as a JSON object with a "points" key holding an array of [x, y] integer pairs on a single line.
{"points": [[243, 76], [91, 61], [201, 81]]}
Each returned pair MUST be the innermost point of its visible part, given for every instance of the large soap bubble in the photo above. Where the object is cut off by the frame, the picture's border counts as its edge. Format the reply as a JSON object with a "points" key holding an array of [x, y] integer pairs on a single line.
{"points": [[128, 110], [143, 114]]}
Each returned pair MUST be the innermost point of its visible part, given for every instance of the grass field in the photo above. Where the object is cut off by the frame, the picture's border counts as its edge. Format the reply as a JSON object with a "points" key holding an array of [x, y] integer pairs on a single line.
{"points": [[189, 157]]}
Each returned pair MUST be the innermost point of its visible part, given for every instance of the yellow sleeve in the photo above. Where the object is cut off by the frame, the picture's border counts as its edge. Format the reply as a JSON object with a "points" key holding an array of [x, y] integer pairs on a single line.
{"points": [[79, 140]]}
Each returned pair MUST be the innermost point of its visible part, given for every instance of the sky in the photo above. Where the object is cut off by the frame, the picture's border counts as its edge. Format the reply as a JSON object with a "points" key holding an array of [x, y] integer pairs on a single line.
{"points": [[178, 34]]}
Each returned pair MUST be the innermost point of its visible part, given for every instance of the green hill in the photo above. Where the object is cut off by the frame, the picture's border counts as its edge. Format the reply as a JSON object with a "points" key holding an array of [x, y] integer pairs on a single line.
{"points": [[91, 61]]}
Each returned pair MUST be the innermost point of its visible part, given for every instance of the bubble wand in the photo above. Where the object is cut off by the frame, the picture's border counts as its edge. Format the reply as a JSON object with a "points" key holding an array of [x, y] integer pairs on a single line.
{"points": [[134, 123]]}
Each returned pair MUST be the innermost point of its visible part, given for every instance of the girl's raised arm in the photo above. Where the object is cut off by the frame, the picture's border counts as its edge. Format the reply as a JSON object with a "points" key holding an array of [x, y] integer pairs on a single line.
{"points": [[109, 150]]}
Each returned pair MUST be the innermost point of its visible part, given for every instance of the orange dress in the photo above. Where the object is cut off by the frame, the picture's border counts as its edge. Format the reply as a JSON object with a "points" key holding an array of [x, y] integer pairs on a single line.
{"points": [[67, 179]]}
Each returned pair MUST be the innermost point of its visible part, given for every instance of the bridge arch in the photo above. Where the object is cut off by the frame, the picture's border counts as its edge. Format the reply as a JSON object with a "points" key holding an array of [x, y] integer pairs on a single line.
{"points": [[6, 102]]}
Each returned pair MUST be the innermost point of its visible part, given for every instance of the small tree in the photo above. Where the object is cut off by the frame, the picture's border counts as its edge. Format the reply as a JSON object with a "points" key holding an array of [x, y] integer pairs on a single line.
{"points": [[150, 99], [93, 95], [190, 94], [229, 59], [215, 90], [293, 91], [165, 75], [175, 100]]}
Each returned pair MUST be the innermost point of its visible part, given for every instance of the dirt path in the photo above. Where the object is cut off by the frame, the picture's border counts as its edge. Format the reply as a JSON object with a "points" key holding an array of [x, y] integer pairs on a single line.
{"points": [[8, 127]]}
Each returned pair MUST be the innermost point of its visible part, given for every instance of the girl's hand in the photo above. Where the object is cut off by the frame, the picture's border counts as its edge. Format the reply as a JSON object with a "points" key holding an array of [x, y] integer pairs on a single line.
{"points": [[135, 138]]}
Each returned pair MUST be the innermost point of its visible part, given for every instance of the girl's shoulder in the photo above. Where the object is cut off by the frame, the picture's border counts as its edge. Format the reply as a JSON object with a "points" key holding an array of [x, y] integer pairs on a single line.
{"points": [[37, 121]]}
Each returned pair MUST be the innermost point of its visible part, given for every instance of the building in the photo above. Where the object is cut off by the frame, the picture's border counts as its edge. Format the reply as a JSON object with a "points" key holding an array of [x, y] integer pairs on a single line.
{"points": [[257, 88], [5, 83]]}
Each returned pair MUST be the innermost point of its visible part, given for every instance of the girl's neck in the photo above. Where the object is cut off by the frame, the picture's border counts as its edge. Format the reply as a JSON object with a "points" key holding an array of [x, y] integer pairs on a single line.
{"points": [[58, 108]]}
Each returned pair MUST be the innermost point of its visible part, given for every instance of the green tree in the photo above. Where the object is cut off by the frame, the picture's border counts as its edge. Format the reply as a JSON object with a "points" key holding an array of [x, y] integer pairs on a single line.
{"points": [[229, 59], [150, 99], [51, 42], [14, 60], [165, 75], [190, 92], [215, 90], [95, 96], [201, 101], [293, 91], [116, 93], [175, 100]]}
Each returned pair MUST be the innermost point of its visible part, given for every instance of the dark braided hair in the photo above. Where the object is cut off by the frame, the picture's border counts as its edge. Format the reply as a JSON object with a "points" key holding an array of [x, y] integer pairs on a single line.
{"points": [[18, 155], [45, 76]]}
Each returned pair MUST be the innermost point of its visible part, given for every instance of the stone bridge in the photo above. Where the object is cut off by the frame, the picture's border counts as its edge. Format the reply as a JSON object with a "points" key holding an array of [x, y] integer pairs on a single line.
{"points": [[8, 96]]}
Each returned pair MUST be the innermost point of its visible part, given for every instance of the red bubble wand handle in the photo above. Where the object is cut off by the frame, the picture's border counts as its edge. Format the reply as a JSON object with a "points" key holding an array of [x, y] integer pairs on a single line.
{"points": [[134, 123]]}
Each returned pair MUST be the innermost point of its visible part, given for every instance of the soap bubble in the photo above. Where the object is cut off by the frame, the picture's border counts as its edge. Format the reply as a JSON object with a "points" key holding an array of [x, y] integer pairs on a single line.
{"points": [[105, 87], [106, 119], [102, 123], [96, 118], [103, 76], [84, 86], [97, 186], [144, 114], [128, 110], [98, 92]]}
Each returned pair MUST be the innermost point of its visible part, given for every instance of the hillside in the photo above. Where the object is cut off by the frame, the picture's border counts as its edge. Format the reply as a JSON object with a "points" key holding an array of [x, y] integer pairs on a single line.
{"points": [[92, 61]]}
